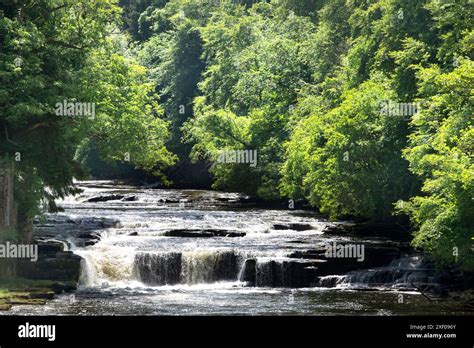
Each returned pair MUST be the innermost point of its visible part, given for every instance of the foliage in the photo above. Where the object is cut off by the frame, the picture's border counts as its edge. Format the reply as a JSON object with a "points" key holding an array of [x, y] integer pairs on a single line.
{"points": [[51, 51], [441, 152], [304, 83]]}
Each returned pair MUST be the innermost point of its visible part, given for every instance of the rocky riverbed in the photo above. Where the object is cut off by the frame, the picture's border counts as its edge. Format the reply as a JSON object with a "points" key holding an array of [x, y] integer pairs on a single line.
{"points": [[135, 250]]}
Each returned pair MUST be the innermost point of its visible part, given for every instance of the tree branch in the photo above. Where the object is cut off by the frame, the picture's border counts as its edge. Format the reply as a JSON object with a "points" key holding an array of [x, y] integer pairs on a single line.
{"points": [[6, 134], [31, 128], [65, 44]]}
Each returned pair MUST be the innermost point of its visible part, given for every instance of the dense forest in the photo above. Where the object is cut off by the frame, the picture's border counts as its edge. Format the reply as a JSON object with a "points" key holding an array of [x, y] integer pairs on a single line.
{"points": [[362, 108]]}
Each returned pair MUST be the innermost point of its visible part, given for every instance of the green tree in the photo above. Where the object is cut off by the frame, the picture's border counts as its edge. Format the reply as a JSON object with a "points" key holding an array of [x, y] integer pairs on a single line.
{"points": [[347, 161], [255, 66], [441, 153], [52, 51]]}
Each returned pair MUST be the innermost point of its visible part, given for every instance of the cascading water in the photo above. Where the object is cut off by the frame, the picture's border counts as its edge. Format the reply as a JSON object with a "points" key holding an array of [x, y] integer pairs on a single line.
{"points": [[99, 267], [284, 272], [146, 253], [408, 272], [209, 266], [147, 238], [102, 264], [186, 268], [158, 269]]}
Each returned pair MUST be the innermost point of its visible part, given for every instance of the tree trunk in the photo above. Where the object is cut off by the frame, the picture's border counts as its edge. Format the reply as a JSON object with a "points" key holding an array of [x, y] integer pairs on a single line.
{"points": [[25, 229], [8, 211]]}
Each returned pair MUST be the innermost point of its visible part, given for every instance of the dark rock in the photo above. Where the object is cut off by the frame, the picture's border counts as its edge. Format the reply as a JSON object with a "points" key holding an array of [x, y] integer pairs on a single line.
{"points": [[307, 254], [158, 269], [129, 199], [105, 198], [224, 199], [375, 255], [61, 287], [63, 266], [170, 201], [45, 295], [88, 236], [226, 266], [133, 234], [50, 247], [366, 229], [293, 226], [188, 234], [248, 273], [87, 239], [285, 273], [205, 233]]}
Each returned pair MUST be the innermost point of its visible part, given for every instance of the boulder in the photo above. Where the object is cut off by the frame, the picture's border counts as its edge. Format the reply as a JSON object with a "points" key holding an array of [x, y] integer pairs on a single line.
{"points": [[225, 267]]}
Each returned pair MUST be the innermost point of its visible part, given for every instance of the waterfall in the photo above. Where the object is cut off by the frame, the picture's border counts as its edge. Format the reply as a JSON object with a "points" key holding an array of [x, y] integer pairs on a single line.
{"points": [[288, 273], [247, 273], [400, 273], [199, 267], [332, 281], [268, 273], [158, 269], [188, 267], [103, 264]]}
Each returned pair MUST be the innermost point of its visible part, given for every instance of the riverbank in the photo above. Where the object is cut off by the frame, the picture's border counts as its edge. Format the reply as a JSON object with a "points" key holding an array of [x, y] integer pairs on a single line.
{"points": [[20, 291], [33, 282]]}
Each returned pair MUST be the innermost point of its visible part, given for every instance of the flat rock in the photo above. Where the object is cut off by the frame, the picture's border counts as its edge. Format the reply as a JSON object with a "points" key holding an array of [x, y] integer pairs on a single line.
{"points": [[204, 233], [293, 226], [105, 198]]}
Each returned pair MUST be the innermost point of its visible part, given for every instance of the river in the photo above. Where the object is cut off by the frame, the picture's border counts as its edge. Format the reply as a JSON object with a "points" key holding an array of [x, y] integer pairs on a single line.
{"points": [[190, 252]]}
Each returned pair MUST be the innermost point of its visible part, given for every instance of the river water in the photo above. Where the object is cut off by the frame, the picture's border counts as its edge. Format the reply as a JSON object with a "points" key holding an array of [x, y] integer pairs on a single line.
{"points": [[188, 252]]}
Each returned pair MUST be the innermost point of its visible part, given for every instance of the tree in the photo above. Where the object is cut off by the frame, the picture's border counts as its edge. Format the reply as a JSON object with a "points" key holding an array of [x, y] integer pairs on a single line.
{"points": [[347, 161], [173, 53], [254, 70], [441, 152], [51, 52]]}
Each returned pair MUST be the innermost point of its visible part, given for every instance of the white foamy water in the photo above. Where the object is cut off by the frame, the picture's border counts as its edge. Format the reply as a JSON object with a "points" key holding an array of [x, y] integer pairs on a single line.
{"points": [[135, 269], [140, 219]]}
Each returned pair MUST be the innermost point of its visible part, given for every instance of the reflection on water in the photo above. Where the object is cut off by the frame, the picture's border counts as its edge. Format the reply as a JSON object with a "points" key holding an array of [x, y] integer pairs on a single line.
{"points": [[232, 299]]}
